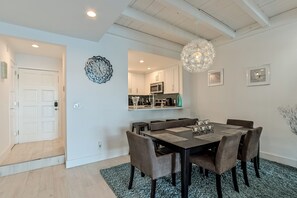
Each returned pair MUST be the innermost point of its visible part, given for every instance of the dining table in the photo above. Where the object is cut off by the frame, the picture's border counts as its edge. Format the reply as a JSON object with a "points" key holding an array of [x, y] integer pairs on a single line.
{"points": [[188, 140]]}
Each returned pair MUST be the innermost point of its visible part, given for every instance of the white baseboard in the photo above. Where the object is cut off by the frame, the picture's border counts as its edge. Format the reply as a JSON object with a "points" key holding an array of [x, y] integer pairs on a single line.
{"points": [[109, 155], [279, 159], [95, 158]]}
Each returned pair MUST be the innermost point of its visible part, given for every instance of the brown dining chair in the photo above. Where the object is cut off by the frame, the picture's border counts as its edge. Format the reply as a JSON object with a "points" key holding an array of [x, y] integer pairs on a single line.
{"points": [[248, 151], [144, 157], [243, 123], [220, 161]]}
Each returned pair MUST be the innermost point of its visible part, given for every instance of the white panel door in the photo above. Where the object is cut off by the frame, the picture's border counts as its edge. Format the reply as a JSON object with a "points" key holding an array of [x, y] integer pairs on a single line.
{"points": [[38, 116]]}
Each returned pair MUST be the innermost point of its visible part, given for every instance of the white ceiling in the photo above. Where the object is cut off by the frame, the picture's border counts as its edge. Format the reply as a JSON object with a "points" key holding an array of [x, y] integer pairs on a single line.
{"points": [[67, 17], [152, 61], [179, 21]]}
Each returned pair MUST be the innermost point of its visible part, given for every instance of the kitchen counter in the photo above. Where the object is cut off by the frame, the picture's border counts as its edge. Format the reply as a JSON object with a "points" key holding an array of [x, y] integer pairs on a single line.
{"points": [[149, 108]]}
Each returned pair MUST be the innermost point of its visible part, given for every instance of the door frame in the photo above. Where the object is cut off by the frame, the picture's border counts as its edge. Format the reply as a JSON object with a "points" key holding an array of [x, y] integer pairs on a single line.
{"points": [[13, 104], [61, 102]]}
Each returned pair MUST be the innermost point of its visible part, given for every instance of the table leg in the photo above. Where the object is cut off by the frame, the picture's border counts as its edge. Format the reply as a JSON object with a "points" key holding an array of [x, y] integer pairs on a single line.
{"points": [[185, 154]]}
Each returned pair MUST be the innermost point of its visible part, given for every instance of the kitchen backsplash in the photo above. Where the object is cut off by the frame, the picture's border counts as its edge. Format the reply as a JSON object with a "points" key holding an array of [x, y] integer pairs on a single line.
{"points": [[167, 99]]}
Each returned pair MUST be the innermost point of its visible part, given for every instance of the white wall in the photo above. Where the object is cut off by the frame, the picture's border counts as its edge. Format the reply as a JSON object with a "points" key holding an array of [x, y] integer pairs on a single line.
{"points": [[6, 55], [104, 114], [259, 103]]}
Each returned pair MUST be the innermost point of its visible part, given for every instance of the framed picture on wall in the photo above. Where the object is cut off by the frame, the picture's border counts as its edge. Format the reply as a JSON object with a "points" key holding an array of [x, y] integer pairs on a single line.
{"points": [[215, 77], [258, 75]]}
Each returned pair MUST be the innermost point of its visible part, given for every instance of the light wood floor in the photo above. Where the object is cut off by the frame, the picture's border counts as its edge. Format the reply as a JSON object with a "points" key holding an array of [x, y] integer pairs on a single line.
{"points": [[34, 150], [58, 182]]}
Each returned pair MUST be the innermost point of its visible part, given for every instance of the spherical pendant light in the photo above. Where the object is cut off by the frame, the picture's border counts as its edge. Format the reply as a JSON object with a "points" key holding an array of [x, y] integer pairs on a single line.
{"points": [[198, 55]]}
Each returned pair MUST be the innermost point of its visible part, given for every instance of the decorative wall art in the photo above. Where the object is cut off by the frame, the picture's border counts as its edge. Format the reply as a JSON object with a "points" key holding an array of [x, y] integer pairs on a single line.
{"points": [[258, 75], [98, 69], [215, 77], [290, 115]]}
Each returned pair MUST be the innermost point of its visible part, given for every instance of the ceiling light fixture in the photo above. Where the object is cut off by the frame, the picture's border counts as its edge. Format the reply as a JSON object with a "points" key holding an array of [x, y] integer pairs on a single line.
{"points": [[198, 55], [35, 45], [148, 68], [91, 13], [141, 61]]}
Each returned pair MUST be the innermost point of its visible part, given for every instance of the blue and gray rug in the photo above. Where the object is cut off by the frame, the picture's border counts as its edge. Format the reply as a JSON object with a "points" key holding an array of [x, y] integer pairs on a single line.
{"points": [[277, 181]]}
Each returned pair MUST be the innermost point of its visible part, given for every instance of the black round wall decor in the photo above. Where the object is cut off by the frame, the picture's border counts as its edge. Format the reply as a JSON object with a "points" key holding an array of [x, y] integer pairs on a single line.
{"points": [[98, 69]]}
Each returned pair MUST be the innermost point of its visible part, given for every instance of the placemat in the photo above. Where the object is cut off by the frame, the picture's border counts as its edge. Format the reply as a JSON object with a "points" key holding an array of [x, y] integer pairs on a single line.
{"points": [[212, 137], [232, 131], [169, 137], [178, 129]]}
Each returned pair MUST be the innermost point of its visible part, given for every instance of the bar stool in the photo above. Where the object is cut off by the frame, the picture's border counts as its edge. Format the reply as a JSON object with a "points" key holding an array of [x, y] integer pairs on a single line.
{"points": [[139, 126], [154, 121], [171, 119]]}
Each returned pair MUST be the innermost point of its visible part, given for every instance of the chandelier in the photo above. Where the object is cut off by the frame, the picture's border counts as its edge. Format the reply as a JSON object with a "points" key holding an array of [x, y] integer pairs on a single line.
{"points": [[198, 55]]}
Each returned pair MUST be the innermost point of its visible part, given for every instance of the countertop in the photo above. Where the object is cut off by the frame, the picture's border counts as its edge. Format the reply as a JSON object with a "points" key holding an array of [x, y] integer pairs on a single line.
{"points": [[149, 108]]}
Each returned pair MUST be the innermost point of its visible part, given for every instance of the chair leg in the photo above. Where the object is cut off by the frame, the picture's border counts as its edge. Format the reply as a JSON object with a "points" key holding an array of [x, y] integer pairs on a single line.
{"points": [[131, 177], [256, 167], [206, 172], [245, 173], [153, 188], [173, 177], [142, 174], [219, 188], [201, 170], [235, 179]]}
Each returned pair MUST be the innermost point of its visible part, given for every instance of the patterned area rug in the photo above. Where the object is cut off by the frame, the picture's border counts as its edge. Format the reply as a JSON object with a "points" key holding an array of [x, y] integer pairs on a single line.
{"points": [[276, 180]]}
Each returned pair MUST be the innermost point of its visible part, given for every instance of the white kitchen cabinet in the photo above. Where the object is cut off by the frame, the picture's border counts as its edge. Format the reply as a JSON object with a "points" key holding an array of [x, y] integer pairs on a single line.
{"points": [[153, 77], [158, 76], [171, 80], [135, 84], [147, 83]]}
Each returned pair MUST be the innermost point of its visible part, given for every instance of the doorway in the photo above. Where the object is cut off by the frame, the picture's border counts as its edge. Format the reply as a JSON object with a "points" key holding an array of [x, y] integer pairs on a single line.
{"points": [[38, 105]]}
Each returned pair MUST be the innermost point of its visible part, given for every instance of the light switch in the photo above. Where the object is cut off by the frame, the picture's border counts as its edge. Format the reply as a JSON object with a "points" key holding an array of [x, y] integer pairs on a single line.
{"points": [[76, 106]]}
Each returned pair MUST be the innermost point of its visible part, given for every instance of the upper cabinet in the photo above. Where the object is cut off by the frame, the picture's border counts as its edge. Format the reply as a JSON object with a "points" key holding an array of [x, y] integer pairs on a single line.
{"points": [[136, 84], [154, 77], [171, 80], [158, 76]]}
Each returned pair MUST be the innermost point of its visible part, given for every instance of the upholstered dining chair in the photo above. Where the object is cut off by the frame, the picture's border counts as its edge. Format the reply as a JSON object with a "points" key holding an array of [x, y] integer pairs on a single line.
{"points": [[249, 151], [243, 123], [144, 157], [220, 161]]}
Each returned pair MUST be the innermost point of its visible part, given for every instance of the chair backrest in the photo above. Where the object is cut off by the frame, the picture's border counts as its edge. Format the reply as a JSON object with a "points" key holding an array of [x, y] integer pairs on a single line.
{"points": [[243, 123], [142, 152], [172, 124], [251, 144], [227, 151]]}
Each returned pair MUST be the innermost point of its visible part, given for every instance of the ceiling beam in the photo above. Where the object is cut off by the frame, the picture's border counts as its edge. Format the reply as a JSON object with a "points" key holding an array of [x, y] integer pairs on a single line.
{"points": [[157, 23], [196, 14], [254, 11]]}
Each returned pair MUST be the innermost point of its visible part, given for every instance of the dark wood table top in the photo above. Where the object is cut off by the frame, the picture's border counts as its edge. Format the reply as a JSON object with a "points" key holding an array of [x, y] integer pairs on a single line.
{"points": [[185, 138]]}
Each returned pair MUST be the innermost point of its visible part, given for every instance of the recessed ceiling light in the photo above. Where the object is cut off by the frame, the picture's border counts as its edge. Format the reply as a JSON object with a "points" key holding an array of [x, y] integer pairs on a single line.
{"points": [[148, 68], [35, 46], [141, 61], [91, 13]]}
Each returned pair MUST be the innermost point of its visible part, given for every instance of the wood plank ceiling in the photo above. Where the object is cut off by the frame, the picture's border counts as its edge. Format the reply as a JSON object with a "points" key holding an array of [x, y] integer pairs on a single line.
{"points": [[217, 20]]}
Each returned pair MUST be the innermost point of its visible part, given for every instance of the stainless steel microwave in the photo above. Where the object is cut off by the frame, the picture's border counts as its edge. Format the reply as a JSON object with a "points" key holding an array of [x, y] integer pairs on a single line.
{"points": [[157, 88]]}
